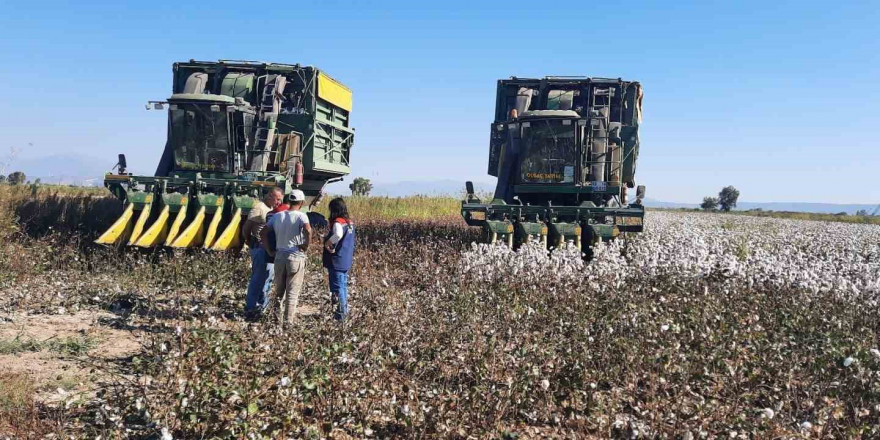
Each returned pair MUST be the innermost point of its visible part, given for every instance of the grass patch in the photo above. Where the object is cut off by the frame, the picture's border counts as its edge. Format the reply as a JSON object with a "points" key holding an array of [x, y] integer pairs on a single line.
{"points": [[742, 251], [19, 345], [19, 415], [73, 345], [389, 208]]}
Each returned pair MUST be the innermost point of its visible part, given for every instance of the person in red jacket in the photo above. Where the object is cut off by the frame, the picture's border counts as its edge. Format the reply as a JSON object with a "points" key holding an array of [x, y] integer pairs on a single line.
{"points": [[338, 255]]}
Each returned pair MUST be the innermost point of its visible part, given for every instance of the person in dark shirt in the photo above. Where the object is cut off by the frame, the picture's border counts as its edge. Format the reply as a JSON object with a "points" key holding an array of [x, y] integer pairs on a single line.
{"points": [[257, 298]]}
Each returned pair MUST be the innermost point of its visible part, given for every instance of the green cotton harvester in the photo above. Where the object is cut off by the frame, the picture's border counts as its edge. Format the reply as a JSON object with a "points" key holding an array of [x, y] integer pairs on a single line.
{"points": [[564, 151], [236, 129]]}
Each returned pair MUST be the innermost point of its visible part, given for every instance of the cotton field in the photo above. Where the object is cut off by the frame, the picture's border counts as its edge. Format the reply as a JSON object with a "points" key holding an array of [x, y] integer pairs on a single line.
{"points": [[704, 326], [744, 251]]}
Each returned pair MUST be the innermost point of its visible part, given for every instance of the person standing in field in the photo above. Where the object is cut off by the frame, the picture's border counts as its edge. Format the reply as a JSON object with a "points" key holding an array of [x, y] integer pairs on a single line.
{"points": [[293, 234], [270, 266], [257, 296], [338, 255]]}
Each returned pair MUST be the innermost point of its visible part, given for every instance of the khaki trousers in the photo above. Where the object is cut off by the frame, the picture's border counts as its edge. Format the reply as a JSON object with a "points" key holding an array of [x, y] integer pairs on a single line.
{"points": [[289, 273]]}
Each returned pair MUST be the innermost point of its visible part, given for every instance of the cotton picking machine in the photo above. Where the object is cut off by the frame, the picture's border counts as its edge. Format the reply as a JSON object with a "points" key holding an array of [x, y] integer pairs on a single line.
{"points": [[236, 129], [564, 151]]}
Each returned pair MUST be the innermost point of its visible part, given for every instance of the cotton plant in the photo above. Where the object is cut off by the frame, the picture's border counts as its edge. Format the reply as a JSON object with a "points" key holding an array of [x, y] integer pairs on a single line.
{"points": [[809, 255]]}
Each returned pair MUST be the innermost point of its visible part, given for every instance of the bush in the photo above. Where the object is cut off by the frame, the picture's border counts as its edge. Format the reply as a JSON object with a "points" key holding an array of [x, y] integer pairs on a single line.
{"points": [[709, 203], [16, 178]]}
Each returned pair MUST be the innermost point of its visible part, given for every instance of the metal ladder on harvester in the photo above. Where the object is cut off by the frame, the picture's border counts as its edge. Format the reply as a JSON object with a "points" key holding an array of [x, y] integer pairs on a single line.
{"points": [[600, 113], [270, 104]]}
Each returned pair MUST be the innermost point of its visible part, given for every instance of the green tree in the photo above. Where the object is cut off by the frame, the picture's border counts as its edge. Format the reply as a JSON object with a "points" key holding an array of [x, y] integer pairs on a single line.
{"points": [[361, 187], [862, 213], [709, 203], [2, 178], [727, 198], [16, 178]]}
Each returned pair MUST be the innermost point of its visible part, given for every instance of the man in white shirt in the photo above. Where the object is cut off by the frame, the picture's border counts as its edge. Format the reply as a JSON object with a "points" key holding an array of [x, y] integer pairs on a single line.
{"points": [[293, 234]]}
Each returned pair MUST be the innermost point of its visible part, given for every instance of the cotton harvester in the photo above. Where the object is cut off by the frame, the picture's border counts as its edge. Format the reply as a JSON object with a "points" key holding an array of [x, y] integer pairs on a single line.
{"points": [[564, 151], [236, 129]]}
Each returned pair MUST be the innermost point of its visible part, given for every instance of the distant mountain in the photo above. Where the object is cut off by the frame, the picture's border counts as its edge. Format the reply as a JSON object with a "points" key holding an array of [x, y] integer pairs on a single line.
{"points": [[652, 203], [822, 208], [65, 169]]}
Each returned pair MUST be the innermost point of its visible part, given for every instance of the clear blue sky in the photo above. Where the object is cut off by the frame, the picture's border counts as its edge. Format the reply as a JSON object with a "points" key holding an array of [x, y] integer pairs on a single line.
{"points": [[778, 98]]}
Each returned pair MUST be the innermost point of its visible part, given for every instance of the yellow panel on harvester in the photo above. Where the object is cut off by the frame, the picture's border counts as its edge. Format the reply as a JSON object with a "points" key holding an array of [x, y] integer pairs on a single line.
{"points": [[120, 228], [334, 92]]}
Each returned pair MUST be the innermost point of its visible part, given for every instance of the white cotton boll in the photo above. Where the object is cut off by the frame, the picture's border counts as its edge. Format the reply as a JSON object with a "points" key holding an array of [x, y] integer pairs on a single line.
{"points": [[848, 361], [664, 327], [815, 257], [545, 384], [806, 426], [875, 353], [767, 413], [285, 381], [166, 434]]}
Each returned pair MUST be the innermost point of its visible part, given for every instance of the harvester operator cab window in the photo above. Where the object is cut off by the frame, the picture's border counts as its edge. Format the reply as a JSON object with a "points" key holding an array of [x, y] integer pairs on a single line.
{"points": [[548, 151], [200, 138]]}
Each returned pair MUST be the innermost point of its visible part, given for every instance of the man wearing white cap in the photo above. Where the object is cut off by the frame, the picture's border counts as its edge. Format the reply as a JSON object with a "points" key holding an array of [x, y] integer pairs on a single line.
{"points": [[293, 234]]}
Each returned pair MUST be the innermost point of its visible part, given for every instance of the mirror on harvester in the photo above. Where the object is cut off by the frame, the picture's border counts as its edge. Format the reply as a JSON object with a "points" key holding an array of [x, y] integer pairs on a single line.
{"points": [[469, 189], [122, 164]]}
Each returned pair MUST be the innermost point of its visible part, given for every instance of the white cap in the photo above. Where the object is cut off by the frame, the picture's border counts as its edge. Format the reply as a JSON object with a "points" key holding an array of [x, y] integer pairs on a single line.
{"points": [[297, 196]]}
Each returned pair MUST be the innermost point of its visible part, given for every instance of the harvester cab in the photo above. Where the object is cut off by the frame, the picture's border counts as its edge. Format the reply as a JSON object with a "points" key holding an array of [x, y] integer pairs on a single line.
{"points": [[236, 130], [564, 151]]}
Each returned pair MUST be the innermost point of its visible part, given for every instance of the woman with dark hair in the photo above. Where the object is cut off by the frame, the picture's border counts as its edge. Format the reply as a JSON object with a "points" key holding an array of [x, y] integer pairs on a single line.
{"points": [[338, 255]]}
